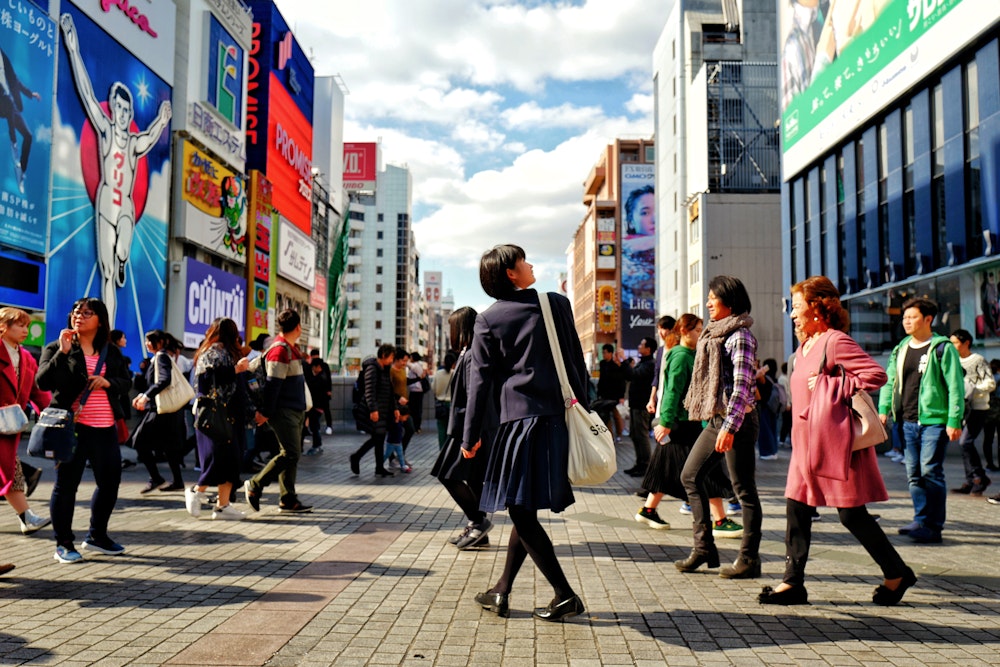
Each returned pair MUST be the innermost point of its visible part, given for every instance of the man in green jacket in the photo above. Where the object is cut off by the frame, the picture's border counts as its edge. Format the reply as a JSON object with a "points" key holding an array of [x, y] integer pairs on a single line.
{"points": [[926, 395]]}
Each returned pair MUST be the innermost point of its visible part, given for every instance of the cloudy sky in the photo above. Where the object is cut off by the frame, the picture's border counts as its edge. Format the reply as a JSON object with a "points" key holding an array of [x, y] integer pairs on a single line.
{"points": [[499, 108]]}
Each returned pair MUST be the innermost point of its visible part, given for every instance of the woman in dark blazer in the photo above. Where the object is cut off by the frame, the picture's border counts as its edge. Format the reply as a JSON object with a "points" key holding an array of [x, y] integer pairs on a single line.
{"points": [[527, 463], [67, 368], [158, 433]]}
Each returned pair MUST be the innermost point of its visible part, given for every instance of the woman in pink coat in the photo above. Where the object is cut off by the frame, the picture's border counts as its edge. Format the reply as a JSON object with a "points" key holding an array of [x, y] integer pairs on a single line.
{"points": [[820, 323], [17, 387]]}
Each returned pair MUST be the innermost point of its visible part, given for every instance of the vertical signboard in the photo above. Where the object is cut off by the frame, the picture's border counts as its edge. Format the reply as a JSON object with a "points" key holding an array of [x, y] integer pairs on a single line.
{"points": [[27, 49], [606, 244], [638, 216], [108, 232], [260, 272], [432, 287], [360, 166]]}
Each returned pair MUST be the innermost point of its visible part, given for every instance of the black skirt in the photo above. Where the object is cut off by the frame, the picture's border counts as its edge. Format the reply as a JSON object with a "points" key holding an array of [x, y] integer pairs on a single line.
{"points": [[527, 466], [663, 475], [451, 465]]}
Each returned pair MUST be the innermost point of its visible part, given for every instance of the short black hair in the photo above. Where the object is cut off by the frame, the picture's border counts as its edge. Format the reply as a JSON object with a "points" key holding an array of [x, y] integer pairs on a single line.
{"points": [[608, 347], [400, 352], [316, 363], [258, 342], [963, 336], [926, 307], [314, 352], [415, 356], [649, 342], [731, 292], [666, 323], [493, 269], [287, 320], [450, 359], [386, 350], [116, 335]]}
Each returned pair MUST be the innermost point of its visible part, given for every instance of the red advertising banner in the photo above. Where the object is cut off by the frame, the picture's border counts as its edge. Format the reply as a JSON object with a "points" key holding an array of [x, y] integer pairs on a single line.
{"points": [[289, 157], [317, 298], [360, 166], [259, 266]]}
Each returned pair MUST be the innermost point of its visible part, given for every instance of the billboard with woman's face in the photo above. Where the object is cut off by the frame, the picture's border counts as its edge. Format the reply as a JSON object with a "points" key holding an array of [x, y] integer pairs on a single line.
{"points": [[638, 216]]}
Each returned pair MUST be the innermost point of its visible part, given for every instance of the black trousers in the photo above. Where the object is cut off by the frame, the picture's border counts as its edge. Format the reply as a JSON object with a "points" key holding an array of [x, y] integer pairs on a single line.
{"points": [[970, 457], [798, 536], [376, 442], [742, 463]]}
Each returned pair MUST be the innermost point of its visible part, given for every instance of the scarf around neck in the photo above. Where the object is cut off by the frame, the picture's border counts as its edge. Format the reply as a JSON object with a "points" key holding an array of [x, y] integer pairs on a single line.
{"points": [[706, 395]]}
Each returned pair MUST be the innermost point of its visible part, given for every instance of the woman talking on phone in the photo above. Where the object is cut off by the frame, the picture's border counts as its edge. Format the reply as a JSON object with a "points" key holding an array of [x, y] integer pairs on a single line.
{"points": [[82, 362]]}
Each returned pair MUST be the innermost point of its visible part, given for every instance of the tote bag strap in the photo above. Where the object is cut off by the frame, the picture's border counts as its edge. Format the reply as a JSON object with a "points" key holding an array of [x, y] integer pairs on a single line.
{"points": [[557, 358]]}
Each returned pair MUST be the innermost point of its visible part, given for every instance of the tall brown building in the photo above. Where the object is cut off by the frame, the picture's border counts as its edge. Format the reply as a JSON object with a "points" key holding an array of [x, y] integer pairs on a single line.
{"points": [[613, 273]]}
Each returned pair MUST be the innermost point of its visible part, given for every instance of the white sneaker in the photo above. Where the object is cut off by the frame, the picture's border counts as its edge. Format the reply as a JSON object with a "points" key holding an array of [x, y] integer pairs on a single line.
{"points": [[228, 513], [193, 498], [328, 431], [32, 522]]}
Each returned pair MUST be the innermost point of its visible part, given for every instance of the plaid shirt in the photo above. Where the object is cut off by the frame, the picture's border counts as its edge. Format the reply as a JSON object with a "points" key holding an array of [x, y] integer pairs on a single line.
{"points": [[738, 377]]}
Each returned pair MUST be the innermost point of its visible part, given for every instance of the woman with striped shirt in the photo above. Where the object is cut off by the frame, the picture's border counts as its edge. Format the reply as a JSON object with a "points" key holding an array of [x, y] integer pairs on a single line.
{"points": [[69, 368]]}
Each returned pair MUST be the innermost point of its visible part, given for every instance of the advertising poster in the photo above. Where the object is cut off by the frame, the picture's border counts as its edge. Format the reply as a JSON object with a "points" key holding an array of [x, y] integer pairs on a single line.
{"points": [[111, 183], [844, 60], [214, 212], [211, 293], [638, 216], [260, 270], [296, 255], [360, 165], [27, 49], [988, 318]]}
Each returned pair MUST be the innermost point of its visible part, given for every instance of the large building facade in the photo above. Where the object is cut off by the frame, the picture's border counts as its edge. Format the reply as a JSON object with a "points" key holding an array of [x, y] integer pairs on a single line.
{"points": [[891, 146], [612, 254], [717, 159]]}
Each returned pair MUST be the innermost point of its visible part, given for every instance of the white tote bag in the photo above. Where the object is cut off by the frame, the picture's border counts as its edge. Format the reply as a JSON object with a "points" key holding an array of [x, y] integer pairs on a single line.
{"points": [[591, 448], [177, 394]]}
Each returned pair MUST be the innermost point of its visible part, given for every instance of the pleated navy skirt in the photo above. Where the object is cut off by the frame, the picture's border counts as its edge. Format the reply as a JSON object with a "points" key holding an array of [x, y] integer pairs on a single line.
{"points": [[663, 475], [527, 466], [451, 465]]}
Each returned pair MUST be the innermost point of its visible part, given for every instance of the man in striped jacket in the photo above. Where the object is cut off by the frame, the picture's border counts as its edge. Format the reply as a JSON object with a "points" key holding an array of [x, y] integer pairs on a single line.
{"points": [[282, 408]]}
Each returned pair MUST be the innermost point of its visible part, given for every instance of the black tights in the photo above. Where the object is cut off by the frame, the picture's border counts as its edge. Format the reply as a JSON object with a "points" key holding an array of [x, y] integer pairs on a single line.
{"points": [[528, 538], [467, 495]]}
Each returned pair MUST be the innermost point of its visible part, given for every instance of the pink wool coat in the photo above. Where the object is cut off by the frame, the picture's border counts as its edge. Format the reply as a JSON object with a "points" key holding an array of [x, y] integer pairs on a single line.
{"points": [[19, 391], [864, 479]]}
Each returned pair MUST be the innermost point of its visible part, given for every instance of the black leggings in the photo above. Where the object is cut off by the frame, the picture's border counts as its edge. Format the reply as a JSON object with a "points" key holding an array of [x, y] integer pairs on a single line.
{"points": [[467, 495], [798, 536], [528, 538]]}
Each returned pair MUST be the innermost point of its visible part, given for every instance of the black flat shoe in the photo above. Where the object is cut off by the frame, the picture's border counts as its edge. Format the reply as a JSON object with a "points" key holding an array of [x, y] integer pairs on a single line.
{"points": [[696, 560], [383, 473], [498, 603], [556, 611], [787, 597], [887, 597]]}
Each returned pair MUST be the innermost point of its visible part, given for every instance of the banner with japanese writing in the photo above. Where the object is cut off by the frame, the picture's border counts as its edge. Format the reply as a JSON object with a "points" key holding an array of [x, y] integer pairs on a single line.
{"points": [[638, 216], [214, 210], [842, 61], [27, 50]]}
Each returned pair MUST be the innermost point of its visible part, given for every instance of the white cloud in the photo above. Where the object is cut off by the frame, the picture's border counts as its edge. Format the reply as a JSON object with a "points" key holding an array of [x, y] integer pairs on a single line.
{"points": [[640, 104], [531, 116]]}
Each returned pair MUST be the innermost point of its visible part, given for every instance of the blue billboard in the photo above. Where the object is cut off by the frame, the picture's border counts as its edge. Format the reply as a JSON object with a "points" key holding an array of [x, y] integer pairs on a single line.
{"points": [[27, 49], [111, 186]]}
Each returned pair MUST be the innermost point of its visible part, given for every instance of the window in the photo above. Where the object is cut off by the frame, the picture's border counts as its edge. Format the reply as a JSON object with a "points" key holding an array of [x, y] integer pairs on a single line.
{"points": [[378, 252], [883, 202], [378, 235], [938, 216], [650, 153], [378, 305], [694, 231], [909, 207], [973, 180], [379, 217], [378, 288], [378, 270], [378, 324], [694, 272]]}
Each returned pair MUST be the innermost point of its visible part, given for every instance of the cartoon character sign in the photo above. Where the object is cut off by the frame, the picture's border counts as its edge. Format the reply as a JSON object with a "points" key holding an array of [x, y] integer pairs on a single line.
{"points": [[234, 214], [108, 233]]}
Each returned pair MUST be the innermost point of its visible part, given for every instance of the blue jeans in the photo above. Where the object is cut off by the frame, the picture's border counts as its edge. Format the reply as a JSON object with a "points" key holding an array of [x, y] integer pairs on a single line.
{"points": [[924, 447], [394, 448]]}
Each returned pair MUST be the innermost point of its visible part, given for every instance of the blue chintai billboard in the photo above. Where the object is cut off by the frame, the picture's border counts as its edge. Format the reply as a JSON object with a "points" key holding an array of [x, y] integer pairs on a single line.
{"points": [[111, 182], [27, 49]]}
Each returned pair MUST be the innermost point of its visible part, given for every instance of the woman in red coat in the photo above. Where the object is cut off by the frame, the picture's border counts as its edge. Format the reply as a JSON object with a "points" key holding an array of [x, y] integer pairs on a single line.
{"points": [[17, 386], [820, 323]]}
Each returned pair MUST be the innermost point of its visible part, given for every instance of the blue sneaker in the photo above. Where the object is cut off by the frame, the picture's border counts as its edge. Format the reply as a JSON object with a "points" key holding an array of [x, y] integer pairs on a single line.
{"points": [[734, 507], [107, 546], [685, 509], [67, 555]]}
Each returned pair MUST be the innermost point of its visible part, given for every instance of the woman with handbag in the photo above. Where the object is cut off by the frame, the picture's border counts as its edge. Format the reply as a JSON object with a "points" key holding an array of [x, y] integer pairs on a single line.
{"points": [[527, 465], [17, 387], [218, 364], [81, 368], [721, 393], [819, 436], [158, 433]]}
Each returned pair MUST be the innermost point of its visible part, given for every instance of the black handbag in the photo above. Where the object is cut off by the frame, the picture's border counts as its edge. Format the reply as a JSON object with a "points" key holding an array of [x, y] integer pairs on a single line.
{"points": [[212, 417], [54, 436]]}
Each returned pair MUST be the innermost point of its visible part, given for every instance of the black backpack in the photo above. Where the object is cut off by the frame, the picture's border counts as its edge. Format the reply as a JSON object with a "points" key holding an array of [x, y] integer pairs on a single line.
{"points": [[362, 415]]}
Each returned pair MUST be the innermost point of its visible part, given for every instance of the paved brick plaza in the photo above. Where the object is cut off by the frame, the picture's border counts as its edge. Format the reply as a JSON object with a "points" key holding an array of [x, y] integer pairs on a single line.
{"points": [[369, 578]]}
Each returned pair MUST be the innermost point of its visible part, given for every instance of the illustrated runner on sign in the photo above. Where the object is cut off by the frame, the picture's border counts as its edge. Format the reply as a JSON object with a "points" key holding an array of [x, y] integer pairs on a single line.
{"points": [[120, 148]]}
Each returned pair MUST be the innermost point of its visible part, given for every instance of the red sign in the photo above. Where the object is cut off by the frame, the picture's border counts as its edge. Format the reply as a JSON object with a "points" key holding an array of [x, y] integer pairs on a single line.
{"points": [[317, 298], [289, 157], [360, 165]]}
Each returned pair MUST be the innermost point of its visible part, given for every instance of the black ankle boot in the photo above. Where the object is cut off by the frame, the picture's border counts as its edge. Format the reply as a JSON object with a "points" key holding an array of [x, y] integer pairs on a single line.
{"points": [[742, 568], [696, 560]]}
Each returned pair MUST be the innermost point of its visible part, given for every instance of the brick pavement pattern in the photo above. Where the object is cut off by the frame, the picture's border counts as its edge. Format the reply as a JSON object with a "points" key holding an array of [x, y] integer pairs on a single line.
{"points": [[369, 578]]}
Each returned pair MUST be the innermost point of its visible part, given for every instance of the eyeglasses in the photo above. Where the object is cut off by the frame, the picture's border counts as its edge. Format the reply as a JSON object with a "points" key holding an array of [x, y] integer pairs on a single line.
{"points": [[84, 314]]}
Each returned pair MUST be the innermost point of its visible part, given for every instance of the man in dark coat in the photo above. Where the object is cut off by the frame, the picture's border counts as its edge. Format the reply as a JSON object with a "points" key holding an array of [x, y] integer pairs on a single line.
{"points": [[382, 405], [611, 384], [640, 375]]}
